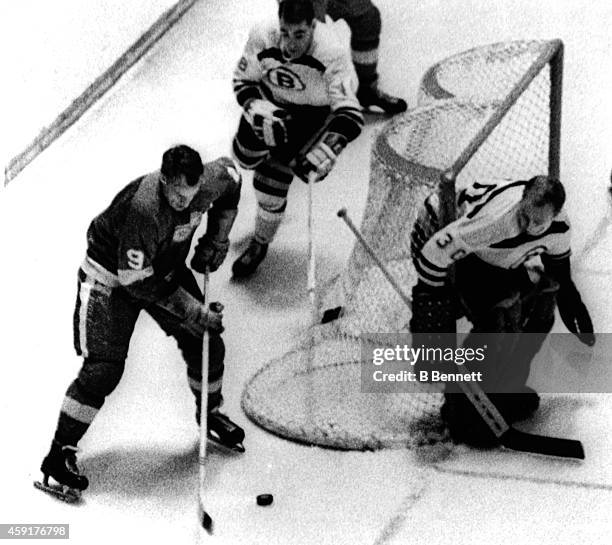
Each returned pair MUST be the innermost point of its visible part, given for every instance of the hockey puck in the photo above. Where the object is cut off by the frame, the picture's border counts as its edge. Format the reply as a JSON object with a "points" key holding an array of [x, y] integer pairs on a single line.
{"points": [[265, 499]]}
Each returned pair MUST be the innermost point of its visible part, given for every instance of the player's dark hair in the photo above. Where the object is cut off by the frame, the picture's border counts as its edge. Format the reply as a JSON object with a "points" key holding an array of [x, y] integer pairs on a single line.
{"points": [[547, 190], [182, 160], [296, 11]]}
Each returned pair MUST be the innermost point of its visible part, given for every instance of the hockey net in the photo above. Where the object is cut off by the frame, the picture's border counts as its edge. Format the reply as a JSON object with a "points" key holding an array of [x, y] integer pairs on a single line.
{"points": [[492, 111]]}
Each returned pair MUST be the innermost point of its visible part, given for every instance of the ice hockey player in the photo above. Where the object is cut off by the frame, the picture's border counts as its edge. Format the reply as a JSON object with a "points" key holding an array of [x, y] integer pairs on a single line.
{"points": [[296, 84], [500, 225], [363, 18], [135, 261]]}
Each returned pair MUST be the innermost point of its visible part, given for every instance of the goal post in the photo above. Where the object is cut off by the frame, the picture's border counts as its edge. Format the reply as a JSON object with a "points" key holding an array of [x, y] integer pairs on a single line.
{"points": [[490, 112]]}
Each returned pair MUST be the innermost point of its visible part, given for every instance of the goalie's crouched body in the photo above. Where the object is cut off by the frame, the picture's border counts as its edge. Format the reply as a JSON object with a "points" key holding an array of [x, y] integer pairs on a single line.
{"points": [[500, 225], [297, 87]]}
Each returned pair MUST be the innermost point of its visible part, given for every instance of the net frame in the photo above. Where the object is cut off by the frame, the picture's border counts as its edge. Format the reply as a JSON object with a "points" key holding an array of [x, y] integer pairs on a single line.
{"points": [[290, 396]]}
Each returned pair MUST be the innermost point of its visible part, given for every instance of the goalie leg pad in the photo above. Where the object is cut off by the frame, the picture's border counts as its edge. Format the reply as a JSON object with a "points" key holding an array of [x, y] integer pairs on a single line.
{"points": [[432, 323], [432, 310]]}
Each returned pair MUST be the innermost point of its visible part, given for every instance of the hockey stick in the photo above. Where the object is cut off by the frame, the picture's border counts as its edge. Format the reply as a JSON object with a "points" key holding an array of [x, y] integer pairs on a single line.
{"points": [[204, 517], [311, 279], [508, 436]]}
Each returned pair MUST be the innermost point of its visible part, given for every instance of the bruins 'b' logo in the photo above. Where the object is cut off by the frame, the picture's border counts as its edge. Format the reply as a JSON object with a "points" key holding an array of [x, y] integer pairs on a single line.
{"points": [[283, 77]]}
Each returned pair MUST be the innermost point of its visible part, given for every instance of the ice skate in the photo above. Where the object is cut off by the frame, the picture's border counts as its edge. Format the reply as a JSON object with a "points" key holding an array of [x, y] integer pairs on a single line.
{"points": [[224, 433], [250, 259], [60, 465], [517, 406], [464, 423], [375, 101]]}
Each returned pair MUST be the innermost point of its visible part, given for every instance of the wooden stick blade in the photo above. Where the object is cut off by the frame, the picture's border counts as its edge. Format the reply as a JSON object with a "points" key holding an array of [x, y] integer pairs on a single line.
{"points": [[539, 444]]}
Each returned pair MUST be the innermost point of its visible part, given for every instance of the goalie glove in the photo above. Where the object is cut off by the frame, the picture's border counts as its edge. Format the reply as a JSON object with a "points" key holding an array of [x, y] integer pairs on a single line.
{"points": [[209, 252], [321, 156], [267, 120], [574, 313]]}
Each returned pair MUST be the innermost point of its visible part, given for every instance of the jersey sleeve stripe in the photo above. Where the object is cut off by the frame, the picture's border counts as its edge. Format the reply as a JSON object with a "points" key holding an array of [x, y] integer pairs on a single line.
{"points": [[246, 90], [129, 276], [423, 270], [432, 266], [492, 195], [431, 281]]}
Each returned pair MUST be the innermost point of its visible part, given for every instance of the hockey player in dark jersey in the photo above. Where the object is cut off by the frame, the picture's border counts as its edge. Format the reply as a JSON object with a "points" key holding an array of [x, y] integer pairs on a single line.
{"points": [[501, 225], [363, 18], [296, 84], [135, 261]]}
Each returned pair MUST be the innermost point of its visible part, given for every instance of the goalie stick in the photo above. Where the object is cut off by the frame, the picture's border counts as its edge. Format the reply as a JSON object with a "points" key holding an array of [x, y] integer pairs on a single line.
{"points": [[205, 520], [507, 436]]}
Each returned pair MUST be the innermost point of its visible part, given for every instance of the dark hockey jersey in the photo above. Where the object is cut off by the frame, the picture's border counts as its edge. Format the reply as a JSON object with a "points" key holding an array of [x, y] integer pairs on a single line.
{"points": [[487, 227], [139, 241]]}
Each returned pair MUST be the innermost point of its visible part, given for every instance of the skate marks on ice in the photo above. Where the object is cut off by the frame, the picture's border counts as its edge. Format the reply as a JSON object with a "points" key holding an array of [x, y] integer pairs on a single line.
{"points": [[572, 416], [399, 519], [461, 509]]}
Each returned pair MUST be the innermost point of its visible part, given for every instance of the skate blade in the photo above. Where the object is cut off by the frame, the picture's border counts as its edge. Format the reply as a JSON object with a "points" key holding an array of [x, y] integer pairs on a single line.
{"points": [[238, 448], [61, 492]]}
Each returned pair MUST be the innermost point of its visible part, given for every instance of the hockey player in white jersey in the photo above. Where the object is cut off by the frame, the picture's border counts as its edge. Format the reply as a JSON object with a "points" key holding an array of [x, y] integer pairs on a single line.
{"points": [[501, 225], [296, 84]]}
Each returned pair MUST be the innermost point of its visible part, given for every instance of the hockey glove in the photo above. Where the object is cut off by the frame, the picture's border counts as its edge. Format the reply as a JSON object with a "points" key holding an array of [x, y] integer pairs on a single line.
{"points": [[189, 311], [574, 313], [209, 252], [321, 157], [267, 120]]}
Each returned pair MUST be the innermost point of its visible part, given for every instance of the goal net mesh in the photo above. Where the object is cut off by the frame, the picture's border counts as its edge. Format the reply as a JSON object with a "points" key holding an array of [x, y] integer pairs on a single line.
{"points": [[493, 100]]}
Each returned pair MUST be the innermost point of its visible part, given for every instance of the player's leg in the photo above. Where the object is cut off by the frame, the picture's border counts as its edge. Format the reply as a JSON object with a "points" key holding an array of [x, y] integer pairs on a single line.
{"points": [[190, 345], [103, 323], [494, 307], [363, 18], [538, 303], [271, 181]]}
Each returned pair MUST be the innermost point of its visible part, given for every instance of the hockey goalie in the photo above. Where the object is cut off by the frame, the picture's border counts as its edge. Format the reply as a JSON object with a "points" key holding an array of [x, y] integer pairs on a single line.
{"points": [[500, 226]]}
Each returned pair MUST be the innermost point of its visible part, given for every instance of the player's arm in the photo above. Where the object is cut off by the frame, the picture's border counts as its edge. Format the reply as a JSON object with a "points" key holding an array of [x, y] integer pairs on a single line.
{"points": [[343, 125], [211, 250], [247, 73], [432, 301], [138, 247], [444, 248], [266, 118], [572, 309]]}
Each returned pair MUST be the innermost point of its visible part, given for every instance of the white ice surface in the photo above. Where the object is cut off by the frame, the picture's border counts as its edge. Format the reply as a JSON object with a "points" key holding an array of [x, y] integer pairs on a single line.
{"points": [[141, 452]]}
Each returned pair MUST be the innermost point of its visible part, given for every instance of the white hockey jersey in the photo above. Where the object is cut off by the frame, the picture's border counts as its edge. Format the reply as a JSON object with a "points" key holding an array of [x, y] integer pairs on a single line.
{"points": [[324, 76], [487, 227]]}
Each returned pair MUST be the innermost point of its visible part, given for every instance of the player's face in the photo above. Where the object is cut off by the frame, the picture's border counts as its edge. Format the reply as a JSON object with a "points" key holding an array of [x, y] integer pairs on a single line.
{"points": [[295, 38], [178, 194], [535, 220]]}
